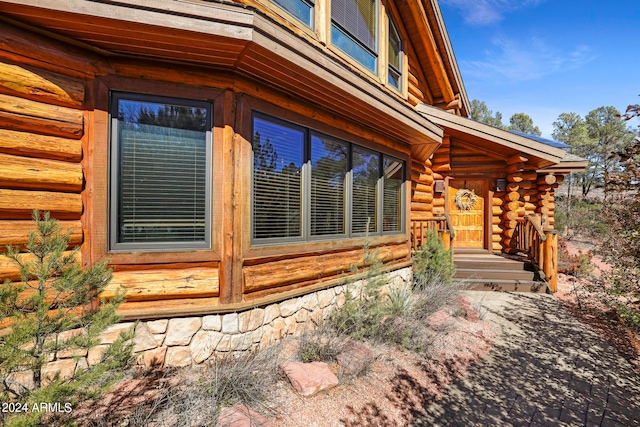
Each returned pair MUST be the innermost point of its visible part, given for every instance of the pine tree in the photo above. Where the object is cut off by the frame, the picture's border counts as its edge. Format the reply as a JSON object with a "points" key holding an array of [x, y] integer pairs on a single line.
{"points": [[55, 308]]}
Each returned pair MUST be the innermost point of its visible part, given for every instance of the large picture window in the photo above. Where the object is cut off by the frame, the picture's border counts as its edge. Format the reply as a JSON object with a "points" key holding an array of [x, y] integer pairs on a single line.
{"points": [[160, 173], [354, 29], [308, 186]]}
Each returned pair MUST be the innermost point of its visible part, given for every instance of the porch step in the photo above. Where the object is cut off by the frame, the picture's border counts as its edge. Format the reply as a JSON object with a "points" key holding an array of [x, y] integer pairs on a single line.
{"points": [[484, 271], [495, 273], [508, 286]]}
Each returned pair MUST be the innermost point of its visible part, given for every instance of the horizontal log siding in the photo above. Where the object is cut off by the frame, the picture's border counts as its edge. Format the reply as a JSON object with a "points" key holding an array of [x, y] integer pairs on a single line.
{"points": [[163, 284], [310, 269], [41, 131]]}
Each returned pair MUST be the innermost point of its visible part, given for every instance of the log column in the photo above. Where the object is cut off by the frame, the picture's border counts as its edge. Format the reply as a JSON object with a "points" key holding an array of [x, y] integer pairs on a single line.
{"points": [[545, 201], [497, 226], [511, 205], [528, 192]]}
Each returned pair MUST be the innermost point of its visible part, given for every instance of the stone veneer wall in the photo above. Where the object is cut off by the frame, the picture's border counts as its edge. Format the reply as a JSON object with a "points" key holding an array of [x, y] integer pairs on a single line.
{"points": [[180, 342]]}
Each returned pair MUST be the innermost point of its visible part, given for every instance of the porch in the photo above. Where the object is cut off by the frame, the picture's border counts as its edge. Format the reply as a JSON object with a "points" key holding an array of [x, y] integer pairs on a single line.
{"points": [[529, 265]]}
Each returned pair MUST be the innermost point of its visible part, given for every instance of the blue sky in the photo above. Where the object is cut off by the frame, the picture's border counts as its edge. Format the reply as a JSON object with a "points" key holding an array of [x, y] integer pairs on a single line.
{"points": [[546, 57]]}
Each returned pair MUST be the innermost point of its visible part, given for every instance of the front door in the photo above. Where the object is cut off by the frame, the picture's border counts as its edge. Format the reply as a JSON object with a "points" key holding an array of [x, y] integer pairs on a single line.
{"points": [[466, 201]]}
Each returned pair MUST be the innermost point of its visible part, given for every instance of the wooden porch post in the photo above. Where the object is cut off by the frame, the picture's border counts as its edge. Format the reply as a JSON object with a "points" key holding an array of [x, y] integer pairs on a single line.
{"points": [[550, 264]]}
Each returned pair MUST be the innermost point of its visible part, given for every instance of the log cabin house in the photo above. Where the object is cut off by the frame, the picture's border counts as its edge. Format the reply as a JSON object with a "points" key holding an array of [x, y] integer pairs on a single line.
{"points": [[235, 156]]}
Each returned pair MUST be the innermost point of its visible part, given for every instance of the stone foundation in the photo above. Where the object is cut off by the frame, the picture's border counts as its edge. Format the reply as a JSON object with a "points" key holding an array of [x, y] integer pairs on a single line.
{"points": [[187, 341]]}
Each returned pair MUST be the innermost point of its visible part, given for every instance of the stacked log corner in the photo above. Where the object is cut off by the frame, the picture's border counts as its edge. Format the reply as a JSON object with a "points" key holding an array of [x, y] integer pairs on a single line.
{"points": [[497, 223], [421, 191], [517, 198], [42, 126], [547, 184]]}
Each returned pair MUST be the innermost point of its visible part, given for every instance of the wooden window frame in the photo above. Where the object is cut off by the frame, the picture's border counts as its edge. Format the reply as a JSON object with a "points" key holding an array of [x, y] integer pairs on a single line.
{"points": [[97, 174]]}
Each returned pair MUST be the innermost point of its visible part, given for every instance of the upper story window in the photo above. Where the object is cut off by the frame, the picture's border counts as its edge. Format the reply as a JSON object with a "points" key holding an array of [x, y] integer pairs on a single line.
{"points": [[307, 185], [354, 29], [301, 9], [160, 192], [394, 49]]}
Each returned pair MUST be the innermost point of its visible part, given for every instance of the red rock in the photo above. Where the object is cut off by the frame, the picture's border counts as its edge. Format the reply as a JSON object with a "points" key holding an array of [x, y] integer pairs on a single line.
{"points": [[309, 378], [439, 320], [461, 300], [469, 313], [355, 357], [241, 416]]}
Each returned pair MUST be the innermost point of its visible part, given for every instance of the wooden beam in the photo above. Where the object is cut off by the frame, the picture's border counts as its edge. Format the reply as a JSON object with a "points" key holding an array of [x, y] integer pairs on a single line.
{"points": [[32, 145], [31, 116], [518, 158], [31, 82], [10, 270], [280, 273], [16, 233], [19, 204], [39, 174], [162, 284]]}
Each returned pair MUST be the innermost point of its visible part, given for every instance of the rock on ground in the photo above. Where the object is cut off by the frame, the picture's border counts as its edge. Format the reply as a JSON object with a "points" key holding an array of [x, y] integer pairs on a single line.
{"points": [[309, 378]]}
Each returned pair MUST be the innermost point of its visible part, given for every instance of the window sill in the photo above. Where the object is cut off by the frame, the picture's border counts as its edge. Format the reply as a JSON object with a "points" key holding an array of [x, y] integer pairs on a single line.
{"points": [[133, 258]]}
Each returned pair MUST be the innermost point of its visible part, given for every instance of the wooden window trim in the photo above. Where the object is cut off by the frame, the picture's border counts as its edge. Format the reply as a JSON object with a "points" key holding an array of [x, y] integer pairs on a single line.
{"points": [[95, 194]]}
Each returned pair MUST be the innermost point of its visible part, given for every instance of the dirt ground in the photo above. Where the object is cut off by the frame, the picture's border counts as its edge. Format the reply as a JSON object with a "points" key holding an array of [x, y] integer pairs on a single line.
{"points": [[571, 292]]}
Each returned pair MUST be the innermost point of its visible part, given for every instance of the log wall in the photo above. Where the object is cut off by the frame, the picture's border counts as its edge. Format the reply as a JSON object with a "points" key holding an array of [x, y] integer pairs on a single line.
{"points": [[42, 129]]}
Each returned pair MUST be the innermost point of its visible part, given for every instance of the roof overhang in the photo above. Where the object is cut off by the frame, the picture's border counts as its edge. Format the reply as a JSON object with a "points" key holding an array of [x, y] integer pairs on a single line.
{"points": [[570, 163], [493, 139], [234, 38]]}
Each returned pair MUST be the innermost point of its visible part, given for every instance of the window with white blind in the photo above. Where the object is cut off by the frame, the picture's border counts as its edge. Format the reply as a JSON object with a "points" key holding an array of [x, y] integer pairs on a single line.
{"points": [[160, 191], [329, 167], [301, 9], [366, 174], [392, 178], [278, 155], [354, 29], [310, 186]]}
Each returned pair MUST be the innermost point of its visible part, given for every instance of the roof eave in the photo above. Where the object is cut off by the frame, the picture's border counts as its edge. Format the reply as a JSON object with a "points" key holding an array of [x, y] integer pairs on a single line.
{"points": [[547, 154]]}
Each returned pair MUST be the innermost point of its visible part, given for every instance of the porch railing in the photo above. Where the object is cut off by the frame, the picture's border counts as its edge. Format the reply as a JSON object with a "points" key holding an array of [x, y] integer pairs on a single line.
{"points": [[540, 245], [441, 225]]}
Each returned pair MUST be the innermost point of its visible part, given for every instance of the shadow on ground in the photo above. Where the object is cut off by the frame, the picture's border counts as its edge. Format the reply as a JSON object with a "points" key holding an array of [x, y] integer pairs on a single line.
{"points": [[546, 369]]}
